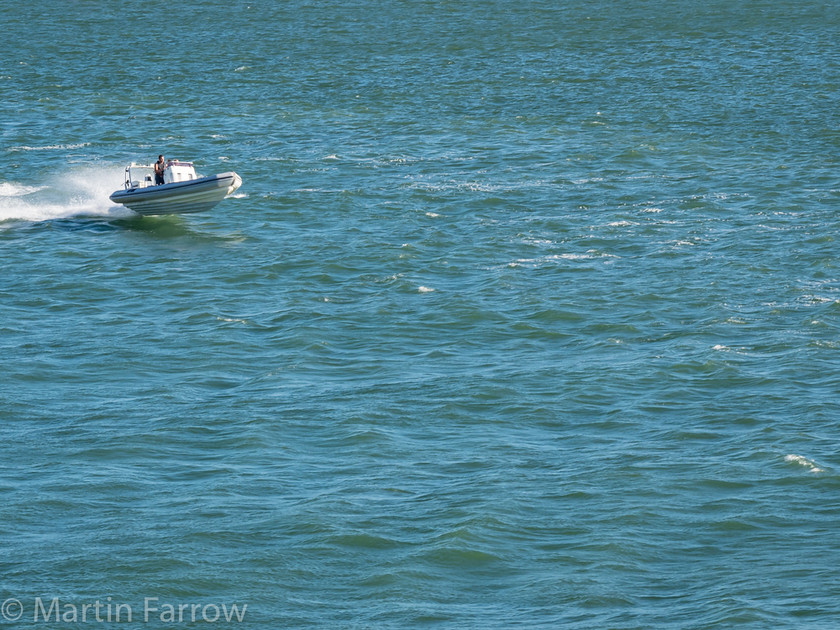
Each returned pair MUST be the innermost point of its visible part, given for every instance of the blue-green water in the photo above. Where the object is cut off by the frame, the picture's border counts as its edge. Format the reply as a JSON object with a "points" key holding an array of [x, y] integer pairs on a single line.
{"points": [[527, 314]]}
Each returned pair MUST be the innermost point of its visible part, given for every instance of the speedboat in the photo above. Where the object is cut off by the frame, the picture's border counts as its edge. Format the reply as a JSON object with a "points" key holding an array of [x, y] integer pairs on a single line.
{"points": [[182, 191]]}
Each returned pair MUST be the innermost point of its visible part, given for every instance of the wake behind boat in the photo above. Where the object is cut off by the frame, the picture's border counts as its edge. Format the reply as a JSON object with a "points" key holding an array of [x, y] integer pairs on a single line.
{"points": [[182, 190]]}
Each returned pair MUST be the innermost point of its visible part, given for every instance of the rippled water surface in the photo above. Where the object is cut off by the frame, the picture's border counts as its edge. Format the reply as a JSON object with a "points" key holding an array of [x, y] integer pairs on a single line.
{"points": [[526, 314]]}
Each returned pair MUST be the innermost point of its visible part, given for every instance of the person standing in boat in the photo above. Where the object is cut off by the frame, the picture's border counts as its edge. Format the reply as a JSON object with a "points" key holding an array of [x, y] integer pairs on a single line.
{"points": [[159, 166]]}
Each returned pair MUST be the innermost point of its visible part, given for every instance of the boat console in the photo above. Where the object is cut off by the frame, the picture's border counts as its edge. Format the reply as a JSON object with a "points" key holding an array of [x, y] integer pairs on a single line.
{"points": [[143, 175], [176, 171]]}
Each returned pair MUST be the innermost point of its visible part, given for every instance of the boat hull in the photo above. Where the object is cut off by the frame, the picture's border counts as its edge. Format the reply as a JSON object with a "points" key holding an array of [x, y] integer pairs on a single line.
{"points": [[196, 195]]}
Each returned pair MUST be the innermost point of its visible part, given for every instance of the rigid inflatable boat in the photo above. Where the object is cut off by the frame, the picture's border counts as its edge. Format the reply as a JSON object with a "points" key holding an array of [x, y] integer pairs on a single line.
{"points": [[182, 190]]}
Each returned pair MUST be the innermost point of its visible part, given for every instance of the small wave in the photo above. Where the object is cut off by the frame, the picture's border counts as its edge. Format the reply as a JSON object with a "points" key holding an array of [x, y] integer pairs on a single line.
{"points": [[589, 255], [804, 461], [51, 147], [818, 299], [423, 289], [557, 258], [537, 241], [232, 320]]}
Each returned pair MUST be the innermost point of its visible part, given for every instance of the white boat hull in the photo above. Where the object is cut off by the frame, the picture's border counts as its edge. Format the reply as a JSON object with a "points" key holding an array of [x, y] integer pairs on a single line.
{"points": [[196, 195]]}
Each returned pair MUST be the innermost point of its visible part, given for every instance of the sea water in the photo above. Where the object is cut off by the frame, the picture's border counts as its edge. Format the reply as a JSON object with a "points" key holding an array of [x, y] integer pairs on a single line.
{"points": [[527, 314]]}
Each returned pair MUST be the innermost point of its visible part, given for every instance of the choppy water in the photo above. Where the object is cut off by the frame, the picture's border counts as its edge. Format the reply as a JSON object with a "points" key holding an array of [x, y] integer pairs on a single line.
{"points": [[527, 314]]}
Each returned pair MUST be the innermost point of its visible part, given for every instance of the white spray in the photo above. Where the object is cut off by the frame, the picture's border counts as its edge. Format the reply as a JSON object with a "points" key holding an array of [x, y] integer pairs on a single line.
{"points": [[81, 191]]}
